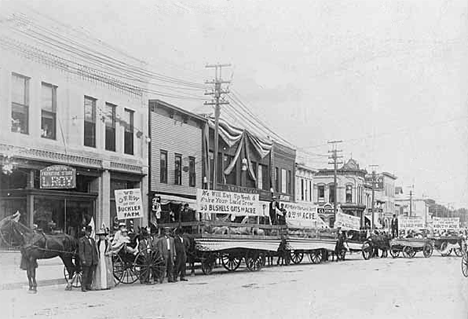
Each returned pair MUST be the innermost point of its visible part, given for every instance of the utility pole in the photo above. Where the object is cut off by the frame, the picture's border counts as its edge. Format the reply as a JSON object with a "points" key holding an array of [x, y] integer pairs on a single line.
{"points": [[334, 157], [373, 196], [411, 201], [217, 102]]}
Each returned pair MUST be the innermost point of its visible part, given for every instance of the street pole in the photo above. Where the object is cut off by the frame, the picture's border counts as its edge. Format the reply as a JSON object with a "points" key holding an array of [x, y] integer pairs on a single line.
{"points": [[373, 197], [335, 163], [411, 203], [218, 101]]}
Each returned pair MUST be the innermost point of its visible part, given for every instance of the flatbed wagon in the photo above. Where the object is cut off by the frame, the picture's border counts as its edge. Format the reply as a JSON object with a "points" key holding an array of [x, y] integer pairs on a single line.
{"points": [[410, 246], [445, 245]]}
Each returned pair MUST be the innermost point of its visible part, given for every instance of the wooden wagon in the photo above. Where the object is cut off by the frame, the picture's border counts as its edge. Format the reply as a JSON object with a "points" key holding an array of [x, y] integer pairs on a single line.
{"points": [[445, 245], [410, 246]]}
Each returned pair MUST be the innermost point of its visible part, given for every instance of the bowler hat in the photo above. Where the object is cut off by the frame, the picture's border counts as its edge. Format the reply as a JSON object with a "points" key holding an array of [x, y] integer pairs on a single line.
{"points": [[101, 231]]}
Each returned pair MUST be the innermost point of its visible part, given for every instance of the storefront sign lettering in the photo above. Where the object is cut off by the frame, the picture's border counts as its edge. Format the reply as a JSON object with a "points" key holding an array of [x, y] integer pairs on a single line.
{"points": [[347, 222], [405, 222], [302, 215], [445, 222], [129, 203], [210, 201], [58, 177]]}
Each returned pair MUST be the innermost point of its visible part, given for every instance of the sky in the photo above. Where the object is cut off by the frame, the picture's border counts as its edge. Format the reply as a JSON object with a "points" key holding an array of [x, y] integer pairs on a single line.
{"points": [[388, 78]]}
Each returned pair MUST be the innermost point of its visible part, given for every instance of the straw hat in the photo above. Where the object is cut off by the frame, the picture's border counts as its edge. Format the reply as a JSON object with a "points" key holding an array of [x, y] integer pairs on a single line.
{"points": [[101, 231]]}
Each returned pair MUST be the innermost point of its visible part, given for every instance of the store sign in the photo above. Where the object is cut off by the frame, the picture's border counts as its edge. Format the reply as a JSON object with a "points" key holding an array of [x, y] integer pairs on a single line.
{"points": [[129, 203], [58, 177], [347, 222], [237, 189], [302, 215], [326, 209], [405, 222], [219, 202], [285, 198], [445, 222]]}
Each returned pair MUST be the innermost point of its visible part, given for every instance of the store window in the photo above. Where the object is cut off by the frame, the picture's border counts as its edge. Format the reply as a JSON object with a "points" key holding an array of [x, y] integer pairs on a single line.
{"points": [[192, 173], [49, 111], [110, 126], [178, 169], [19, 104], [129, 127], [8, 206], [89, 121]]}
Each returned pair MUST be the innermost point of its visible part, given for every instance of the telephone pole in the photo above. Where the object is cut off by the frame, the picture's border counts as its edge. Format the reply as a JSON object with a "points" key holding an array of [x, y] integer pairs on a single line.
{"points": [[334, 157], [373, 196], [411, 201], [217, 101]]}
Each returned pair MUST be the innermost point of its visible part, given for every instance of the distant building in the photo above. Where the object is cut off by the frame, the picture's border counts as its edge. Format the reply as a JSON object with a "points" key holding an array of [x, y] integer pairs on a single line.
{"points": [[384, 197], [350, 190], [414, 206], [304, 184]]}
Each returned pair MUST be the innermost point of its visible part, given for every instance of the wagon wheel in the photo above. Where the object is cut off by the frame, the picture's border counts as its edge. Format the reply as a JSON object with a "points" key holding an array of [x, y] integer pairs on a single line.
{"points": [[207, 264], [231, 262], [296, 257], [394, 252], [443, 246], [316, 256], [75, 281], [408, 252], [427, 250], [367, 250], [149, 264], [342, 254], [124, 270], [254, 262], [464, 265], [458, 252]]}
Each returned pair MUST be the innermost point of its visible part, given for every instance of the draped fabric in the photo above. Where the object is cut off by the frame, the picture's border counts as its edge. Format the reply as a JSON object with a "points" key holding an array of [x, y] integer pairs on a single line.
{"points": [[228, 170], [249, 162], [262, 147]]}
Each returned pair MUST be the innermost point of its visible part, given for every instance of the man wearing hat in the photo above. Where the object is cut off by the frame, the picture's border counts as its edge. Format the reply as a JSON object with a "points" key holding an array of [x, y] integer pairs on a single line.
{"points": [[181, 246], [166, 246], [88, 258]]}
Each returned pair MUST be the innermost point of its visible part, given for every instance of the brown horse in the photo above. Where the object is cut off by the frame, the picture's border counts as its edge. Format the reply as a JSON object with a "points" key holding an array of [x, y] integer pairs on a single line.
{"points": [[37, 245]]}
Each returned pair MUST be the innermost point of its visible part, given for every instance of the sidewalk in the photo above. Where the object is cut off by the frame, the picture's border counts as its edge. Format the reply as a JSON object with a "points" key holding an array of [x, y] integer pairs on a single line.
{"points": [[49, 272]]}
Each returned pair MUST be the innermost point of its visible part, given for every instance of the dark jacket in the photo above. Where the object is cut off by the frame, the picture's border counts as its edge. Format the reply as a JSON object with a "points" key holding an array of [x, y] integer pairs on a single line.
{"points": [[394, 223], [181, 247], [87, 251]]}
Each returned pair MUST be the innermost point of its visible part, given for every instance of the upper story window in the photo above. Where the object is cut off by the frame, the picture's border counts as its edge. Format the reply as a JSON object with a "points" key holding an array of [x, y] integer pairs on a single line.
{"points": [[289, 182], [19, 104], [349, 193], [178, 169], [331, 194], [128, 137], [302, 189], [259, 176], [110, 120], [276, 179], [163, 167], [48, 111], [89, 121], [321, 192], [192, 173], [231, 178], [283, 181]]}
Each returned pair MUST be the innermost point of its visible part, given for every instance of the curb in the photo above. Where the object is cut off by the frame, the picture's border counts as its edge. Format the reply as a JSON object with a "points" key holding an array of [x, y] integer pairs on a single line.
{"points": [[40, 283]]}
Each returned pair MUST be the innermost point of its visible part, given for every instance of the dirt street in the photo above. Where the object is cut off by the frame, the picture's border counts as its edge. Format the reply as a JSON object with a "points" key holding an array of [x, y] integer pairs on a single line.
{"points": [[379, 288]]}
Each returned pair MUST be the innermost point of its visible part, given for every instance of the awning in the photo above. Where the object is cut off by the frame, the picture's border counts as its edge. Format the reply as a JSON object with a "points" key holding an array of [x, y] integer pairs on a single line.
{"points": [[167, 199]]}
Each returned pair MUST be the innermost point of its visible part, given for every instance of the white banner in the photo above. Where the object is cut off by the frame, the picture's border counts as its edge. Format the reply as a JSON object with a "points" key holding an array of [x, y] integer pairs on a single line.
{"points": [[220, 202], [347, 222], [445, 222], [129, 203], [303, 215], [405, 223]]}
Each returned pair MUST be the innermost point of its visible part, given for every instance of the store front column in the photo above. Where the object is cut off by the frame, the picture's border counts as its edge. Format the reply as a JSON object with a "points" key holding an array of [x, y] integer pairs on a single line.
{"points": [[103, 215]]}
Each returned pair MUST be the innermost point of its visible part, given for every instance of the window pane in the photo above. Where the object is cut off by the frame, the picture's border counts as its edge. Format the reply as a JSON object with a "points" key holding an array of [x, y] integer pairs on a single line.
{"points": [[178, 170], [48, 99], [110, 126], [283, 181], [19, 89], [259, 176], [90, 110], [128, 137], [48, 125], [192, 173], [163, 167]]}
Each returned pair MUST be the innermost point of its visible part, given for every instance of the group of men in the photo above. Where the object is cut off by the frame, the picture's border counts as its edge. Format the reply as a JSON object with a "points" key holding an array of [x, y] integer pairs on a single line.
{"points": [[277, 213]]}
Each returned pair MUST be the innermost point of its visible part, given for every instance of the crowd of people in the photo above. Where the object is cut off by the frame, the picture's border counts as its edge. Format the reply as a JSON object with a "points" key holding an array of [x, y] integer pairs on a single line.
{"points": [[96, 255]]}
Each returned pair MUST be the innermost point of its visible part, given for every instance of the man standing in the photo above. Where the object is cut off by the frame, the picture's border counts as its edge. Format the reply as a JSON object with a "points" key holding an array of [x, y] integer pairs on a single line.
{"points": [[394, 226], [166, 247], [88, 258], [181, 246]]}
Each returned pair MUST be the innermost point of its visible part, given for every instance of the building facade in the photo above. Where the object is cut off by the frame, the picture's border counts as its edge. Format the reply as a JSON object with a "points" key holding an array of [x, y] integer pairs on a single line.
{"points": [[177, 155], [60, 108], [350, 191], [384, 197], [304, 184]]}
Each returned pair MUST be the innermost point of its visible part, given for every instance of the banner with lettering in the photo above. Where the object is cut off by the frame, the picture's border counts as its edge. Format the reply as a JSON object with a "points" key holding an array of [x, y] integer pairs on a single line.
{"points": [[302, 216], [129, 203], [347, 222], [415, 222], [445, 222], [221, 202]]}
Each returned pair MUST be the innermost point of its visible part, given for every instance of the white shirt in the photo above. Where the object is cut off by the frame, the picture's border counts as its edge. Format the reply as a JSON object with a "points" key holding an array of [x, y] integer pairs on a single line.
{"points": [[168, 243]]}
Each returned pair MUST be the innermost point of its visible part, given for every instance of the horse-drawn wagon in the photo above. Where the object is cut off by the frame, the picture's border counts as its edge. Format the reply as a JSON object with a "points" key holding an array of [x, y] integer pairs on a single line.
{"points": [[445, 245], [410, 246]]}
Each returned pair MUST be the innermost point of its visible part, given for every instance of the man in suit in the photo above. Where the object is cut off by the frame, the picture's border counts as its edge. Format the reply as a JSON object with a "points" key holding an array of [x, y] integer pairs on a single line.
{"points": [[394, 226], [181, 247], [165, 245], [88, 258]]}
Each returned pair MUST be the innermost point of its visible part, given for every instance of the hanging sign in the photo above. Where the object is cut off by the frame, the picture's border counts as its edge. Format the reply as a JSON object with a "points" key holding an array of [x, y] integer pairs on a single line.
{"points": [[445, 222], [347, 222], [302, 215], [219, 202], [129, 203], [405, 222], [58, 177]]}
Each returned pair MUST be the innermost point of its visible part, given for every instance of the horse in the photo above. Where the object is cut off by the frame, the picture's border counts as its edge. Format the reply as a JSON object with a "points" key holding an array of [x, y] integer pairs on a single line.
{"points": [[37, 245]]}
